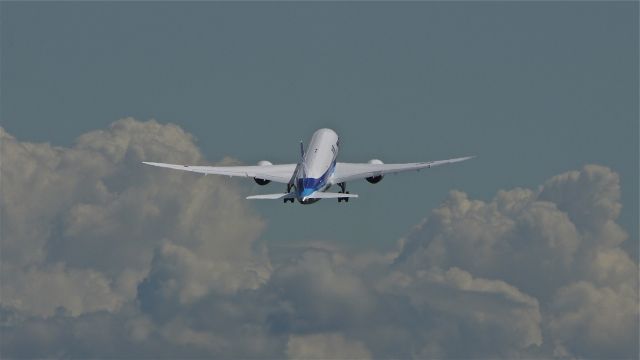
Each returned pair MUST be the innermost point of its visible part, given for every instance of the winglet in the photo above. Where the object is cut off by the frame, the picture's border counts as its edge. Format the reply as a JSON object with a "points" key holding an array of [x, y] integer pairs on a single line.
{"points": [[464, 158]]}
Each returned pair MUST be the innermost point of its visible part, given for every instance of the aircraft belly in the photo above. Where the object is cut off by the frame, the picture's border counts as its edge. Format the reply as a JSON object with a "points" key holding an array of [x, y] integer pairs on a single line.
{"points": [[308, 201], [320, 154]]}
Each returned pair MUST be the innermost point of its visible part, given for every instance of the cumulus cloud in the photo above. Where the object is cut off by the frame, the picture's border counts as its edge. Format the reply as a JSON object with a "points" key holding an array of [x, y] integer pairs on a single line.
{"points": [[81, 225], [42, 291], [322, 294], [558, 243], [102, 257], [595, 321], [325, 346]]}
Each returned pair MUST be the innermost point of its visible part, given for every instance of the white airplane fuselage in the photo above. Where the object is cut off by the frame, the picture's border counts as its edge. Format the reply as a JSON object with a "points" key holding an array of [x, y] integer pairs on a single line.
{"points": [[317, 166]]}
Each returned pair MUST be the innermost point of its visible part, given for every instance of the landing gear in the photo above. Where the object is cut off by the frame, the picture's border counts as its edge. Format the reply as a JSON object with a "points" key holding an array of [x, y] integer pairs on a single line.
{"points": [[346, 199], [343, 190], [289, 186]]}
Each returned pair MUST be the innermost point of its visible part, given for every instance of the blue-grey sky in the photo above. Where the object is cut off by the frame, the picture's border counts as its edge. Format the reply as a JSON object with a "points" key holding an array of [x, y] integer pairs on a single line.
{"points": [[534, 89]]}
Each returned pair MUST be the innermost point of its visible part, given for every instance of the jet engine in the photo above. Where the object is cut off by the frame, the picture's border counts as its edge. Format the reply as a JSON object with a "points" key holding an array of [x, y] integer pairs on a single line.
{"points": [[375, 179], [263, 181]]}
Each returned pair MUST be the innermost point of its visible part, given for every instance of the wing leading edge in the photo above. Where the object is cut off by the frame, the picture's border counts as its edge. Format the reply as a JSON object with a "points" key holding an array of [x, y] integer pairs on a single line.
{"points": [[277, 173], [352, 171]]}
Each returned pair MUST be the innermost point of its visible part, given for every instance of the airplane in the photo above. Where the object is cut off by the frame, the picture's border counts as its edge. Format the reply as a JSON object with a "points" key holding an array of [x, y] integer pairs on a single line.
{"points": [[308, 180]]}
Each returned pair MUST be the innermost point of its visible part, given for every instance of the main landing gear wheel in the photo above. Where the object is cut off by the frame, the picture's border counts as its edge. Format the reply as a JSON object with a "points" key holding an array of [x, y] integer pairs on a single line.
{"points": [[343, 190], [289, 187], [345, 199]]}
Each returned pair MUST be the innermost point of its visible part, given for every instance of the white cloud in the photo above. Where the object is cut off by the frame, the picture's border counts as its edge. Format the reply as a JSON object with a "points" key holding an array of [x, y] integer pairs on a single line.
{"points": [[41, 291], [325, 346], [86, 220], [321, 293], [552, 244], [596, 321], [591, 197], [103, 257], [194, 275], [454, 296]]}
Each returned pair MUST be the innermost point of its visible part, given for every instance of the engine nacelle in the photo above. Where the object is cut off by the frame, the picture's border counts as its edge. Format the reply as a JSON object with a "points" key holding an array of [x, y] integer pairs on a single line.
{"points": [[262, 181], [375, 179]]}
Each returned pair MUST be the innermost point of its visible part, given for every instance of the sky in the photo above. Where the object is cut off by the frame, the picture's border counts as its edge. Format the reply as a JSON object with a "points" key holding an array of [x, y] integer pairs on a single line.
{"points": [[530, 249]]}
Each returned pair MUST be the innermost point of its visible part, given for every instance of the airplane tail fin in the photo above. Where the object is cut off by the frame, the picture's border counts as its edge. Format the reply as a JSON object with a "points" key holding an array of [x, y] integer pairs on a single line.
{"points": [[301, 151]]}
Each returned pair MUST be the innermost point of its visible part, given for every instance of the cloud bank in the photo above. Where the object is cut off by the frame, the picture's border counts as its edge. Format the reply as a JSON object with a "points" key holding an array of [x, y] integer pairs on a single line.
{"points": [[101, 257]]}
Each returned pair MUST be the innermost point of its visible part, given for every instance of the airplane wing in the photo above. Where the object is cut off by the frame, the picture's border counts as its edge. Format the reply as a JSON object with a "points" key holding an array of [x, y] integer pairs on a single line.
{"points": [[350, 171], [277, 173]]}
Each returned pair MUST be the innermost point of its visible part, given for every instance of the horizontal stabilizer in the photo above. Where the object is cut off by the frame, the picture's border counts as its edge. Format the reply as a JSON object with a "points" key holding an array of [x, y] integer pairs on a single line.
{"points": [[330, 195], [272, 196]]}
